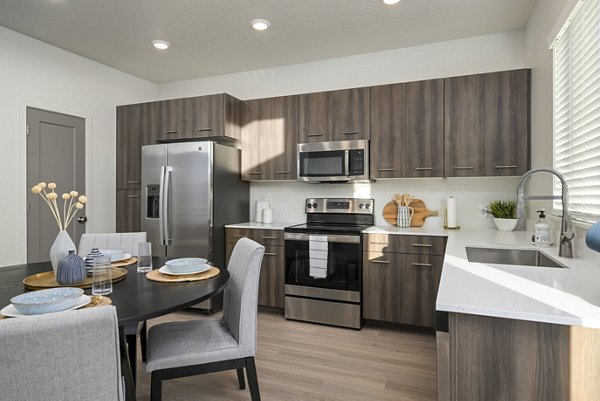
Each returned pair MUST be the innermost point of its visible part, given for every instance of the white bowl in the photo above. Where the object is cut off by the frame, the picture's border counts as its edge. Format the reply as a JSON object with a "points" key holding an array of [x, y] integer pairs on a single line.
{"points": [[115, 254], [505, 224], [46, 301], [185, 265]]}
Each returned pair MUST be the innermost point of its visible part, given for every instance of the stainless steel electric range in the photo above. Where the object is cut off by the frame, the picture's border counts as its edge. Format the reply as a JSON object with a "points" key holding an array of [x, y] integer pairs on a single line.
{"points": [[323, 262]]}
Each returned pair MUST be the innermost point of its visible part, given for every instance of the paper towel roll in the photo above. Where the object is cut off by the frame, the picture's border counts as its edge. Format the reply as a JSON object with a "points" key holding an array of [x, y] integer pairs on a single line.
{"points": [[451, 212]]}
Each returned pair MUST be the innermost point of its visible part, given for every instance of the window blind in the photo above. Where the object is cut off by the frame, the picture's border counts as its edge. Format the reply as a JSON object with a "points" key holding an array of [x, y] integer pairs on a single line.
{"points": [[576, 54]]}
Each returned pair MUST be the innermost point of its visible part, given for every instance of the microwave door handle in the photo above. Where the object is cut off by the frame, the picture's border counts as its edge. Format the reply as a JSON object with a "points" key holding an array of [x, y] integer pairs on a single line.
{"points": [[347, 162]]}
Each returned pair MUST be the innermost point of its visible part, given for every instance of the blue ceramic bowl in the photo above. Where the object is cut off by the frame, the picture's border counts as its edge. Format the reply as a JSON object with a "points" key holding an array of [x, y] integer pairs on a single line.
{"points": [[115, 254], [185, 265], [47, 301]]}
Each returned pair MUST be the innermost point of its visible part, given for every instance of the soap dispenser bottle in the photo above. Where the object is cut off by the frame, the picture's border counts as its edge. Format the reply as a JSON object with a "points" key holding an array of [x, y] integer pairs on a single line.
{"points": [[542, 231]]}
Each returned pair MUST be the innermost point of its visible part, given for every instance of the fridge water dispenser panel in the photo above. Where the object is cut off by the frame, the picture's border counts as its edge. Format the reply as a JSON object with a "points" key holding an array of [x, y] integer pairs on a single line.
{"points": [[152, 201]]}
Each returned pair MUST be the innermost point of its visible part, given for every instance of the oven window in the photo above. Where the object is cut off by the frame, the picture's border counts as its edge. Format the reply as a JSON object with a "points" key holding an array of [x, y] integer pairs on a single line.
{"points": [[343, 266], [322, 164]]}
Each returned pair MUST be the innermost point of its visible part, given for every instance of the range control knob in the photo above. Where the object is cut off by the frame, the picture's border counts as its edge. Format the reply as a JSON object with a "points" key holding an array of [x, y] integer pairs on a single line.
{"points": [[309, 205], [315, 205], [361, 206], [367, 206]]}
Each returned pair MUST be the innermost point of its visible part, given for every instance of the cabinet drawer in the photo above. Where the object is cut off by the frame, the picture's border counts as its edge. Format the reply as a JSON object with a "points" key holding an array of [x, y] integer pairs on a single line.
{"points": [[416, 244], [232, 235], [267, 237]]}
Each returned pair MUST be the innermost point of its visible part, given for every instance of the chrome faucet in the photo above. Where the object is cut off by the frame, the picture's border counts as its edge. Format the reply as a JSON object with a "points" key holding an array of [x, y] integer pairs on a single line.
{"points": [[566, 232]]}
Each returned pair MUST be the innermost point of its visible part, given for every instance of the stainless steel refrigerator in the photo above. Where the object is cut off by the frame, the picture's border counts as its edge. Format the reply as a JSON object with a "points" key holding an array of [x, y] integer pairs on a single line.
{"points": [[190, 190]]}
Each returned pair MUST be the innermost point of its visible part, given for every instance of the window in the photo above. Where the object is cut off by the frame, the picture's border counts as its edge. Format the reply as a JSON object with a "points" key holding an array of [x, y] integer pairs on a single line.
{"points": [[576, 53]]}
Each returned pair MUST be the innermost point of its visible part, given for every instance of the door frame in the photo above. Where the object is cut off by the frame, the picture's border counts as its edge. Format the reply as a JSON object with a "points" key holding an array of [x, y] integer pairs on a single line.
{"points": [[22, 168]]}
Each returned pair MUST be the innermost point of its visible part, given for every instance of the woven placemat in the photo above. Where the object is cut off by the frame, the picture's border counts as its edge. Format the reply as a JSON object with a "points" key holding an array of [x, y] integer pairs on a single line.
{"points": [[123, 263], [48, 280], [103, 301], [155, 275]]}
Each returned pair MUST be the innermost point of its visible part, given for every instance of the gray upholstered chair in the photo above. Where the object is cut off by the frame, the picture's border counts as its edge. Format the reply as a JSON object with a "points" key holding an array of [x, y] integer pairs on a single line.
{"points": [[179, 349], [127, 242], [71, 355]]}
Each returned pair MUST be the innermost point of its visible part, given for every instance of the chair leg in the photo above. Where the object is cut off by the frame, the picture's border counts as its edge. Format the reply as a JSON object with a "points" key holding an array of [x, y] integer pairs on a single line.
{"points": [[155, 387], [241, 381], [252, 379], [144, 339], [131, 351]]}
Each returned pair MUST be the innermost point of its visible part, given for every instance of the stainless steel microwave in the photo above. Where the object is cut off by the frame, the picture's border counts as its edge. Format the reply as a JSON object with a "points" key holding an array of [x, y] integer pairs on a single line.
{"points": [[337, 161]]}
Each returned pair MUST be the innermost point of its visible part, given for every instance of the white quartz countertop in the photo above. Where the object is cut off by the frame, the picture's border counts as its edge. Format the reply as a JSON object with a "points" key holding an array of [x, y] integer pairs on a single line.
{"points": [[263, 226], [553, 295]]}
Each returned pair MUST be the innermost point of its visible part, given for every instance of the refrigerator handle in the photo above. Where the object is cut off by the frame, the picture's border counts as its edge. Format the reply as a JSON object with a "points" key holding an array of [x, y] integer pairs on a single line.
{"points": [[166, 210], [161, 206]]}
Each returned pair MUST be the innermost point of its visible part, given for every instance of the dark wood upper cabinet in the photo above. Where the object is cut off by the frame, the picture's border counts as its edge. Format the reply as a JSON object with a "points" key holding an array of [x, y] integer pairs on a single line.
{"points": [[507, 122], [387, 131], [334, 116], [407, 135], [269, 132], [136, 126], [487, 124], [424, 129], [199, 117], [464, 126]]}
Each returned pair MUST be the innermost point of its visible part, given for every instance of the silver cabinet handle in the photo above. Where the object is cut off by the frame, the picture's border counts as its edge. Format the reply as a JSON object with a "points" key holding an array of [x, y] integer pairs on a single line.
{"points": [[265, 237], [314, 135], [422, 245], [379, 243], [463, 167], [133, 196], [422, 264], [169, 132], [423, 168], [382, 262], [386, 169], [350, 133], [133, 182], [255, 172], [204, 129], [270, 254], [506, 167], [283, 172]]}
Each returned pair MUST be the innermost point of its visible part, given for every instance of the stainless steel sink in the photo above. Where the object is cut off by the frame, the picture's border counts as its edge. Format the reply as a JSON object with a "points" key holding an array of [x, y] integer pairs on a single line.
{"points": [[528, 257]]}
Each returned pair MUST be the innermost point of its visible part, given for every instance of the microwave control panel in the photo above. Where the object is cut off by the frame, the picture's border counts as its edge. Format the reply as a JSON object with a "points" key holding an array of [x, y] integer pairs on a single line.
{"points": [[357, 162]]}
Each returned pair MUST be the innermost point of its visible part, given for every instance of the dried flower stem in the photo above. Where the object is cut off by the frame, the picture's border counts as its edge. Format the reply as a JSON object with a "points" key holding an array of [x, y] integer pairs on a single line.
{"points": [[51, 206]]}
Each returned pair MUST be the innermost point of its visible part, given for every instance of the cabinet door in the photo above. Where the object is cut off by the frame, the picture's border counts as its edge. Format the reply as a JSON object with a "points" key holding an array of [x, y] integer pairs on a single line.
{"points": [[506, 123], [314, 117], [387, 131], [382, 298], [280, 150], [424, 129], [350, 114], [464, 126], [136, 126], [418, 289], [272, 280], [129, 210], [204, 116], [171, 119], [255, 134]]}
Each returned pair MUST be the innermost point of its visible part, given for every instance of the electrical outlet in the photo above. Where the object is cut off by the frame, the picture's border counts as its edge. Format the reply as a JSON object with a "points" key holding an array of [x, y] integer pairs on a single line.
{"points": [[283, 208]]}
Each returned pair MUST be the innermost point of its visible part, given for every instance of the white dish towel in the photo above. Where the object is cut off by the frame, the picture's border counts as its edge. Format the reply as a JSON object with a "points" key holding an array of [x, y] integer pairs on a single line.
{"points": [[317, 254]]}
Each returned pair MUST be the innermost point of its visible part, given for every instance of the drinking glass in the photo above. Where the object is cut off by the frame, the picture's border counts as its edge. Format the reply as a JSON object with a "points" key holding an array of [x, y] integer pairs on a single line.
{"points": [[144, 257], [101, 276]]}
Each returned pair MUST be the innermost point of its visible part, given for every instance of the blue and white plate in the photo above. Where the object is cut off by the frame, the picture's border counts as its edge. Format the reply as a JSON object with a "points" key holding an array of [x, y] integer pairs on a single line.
{"points": [[186, 265], [200, 269], [11, 311]]}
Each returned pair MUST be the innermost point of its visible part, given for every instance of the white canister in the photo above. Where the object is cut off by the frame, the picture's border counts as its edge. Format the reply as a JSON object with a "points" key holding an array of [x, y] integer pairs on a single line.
{"points": [[260, 206], [267, 216]]}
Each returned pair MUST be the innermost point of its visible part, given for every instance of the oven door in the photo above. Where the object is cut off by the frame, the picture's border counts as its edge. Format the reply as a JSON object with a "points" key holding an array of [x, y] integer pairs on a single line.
{"points": [[344, 262]]}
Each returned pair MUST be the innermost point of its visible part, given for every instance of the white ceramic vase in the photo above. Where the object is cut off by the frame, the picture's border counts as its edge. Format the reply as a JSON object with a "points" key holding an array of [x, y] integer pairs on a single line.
{"points": [[505, 224], [60, 248]]}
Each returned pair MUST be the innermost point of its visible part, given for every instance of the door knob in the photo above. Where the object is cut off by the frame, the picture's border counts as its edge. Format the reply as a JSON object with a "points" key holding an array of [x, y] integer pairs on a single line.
{"points": [[82, 219]]}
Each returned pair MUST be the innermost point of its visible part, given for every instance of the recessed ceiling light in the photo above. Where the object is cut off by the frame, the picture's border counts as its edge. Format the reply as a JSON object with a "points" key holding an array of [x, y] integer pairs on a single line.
{"points": [[161, 44], [260, 24], [391, 2]]}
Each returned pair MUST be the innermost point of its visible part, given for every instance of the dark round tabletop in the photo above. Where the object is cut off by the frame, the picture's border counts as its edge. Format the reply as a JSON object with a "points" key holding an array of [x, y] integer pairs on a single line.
{"points": [[136, 298]]}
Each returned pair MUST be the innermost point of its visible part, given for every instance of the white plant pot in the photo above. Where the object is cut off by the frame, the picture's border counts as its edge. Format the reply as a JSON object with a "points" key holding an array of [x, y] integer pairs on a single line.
{"points": [[60, 248], [505, 224]]}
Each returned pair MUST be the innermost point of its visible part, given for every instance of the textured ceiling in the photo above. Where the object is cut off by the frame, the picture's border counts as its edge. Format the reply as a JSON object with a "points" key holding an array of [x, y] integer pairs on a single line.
{"points": [[212, 37]]}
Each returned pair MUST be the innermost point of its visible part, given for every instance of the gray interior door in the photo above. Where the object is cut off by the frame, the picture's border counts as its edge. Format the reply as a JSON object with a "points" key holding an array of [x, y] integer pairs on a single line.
{"points": [[55, 153]]}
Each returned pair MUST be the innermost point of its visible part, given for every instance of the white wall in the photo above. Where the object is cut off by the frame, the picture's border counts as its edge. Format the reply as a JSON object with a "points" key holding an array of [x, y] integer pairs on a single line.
{"points": [[458, 57], [35, 74]]}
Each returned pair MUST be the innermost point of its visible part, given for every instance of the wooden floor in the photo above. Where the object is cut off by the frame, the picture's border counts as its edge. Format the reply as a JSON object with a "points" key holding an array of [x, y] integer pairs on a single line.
{"points": [[299, 361]]}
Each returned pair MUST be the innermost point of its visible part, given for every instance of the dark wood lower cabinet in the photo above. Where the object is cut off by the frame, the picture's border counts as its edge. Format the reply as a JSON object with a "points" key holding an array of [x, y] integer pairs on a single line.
{"points": [[507, 359], [129, 209], [272, 271]]}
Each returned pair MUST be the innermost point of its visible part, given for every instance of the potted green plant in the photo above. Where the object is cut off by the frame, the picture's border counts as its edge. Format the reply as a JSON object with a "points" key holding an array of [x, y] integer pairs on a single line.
{"points": [[504, 214]]}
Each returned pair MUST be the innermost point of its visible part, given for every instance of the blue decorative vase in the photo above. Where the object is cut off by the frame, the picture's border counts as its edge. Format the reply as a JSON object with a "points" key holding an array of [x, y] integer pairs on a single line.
{"points": [[89, 260], [71, 269]]}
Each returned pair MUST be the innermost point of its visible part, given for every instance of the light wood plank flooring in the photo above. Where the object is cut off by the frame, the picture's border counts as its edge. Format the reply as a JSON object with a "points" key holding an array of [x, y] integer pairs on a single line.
{"points": [[299, 361]]}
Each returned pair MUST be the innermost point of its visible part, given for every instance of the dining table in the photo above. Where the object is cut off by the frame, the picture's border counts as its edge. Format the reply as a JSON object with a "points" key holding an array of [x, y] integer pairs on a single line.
{"points": [[136, 299]]}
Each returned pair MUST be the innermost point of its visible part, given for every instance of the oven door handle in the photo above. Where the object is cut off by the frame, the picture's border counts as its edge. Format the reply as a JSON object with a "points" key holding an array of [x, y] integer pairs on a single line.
{"points": [[338, 239]]}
